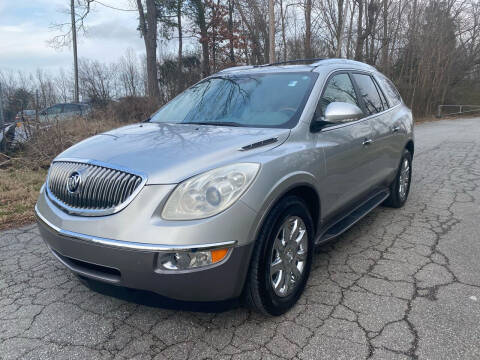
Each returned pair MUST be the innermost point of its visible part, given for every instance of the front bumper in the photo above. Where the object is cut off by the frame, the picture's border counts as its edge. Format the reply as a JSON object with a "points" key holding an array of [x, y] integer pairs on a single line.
{"points": [[126, 264]]}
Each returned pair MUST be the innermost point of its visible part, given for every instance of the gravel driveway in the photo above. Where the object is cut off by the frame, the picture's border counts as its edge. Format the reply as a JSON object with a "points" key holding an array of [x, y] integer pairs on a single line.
{"points": [[400, 284]]}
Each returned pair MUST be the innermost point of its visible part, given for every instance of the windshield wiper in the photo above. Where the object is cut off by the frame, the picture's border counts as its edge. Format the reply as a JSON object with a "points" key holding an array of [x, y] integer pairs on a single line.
{"points": [[215, 123]]}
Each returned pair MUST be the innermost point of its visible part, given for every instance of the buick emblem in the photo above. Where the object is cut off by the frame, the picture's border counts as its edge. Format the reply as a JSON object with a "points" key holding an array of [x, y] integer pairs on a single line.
{"points": [[73, 182]]}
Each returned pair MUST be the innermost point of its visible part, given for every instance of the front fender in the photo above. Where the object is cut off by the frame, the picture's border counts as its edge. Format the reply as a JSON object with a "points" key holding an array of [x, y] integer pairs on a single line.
{"points": [[262, 201]]}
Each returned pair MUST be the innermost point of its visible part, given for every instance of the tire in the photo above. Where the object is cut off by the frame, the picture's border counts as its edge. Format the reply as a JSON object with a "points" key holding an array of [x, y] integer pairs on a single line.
{"points": [[259, 292], [399, 190]]}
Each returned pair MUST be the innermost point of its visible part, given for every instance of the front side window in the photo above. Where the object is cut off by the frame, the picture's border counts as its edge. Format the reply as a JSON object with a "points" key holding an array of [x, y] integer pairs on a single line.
{"points": [[71, 108], [251, 100], [339, 89], [369, 93]]}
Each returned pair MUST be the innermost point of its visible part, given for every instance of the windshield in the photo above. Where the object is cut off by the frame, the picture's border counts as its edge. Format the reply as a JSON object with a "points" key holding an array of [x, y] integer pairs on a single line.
{"points": [[253, 100]]}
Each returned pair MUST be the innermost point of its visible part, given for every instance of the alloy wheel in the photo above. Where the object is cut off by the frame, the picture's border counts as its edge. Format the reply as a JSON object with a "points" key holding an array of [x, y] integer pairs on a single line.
{"points": [[404, 179], [289, 256]]}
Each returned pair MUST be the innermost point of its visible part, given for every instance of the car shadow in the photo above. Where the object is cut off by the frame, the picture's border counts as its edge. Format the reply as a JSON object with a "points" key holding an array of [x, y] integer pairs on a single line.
{"points": [[151, 299]]}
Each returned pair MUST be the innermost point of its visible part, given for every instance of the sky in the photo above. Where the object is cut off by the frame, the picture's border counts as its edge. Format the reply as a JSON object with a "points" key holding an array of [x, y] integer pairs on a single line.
{"points": [[25, 28]]}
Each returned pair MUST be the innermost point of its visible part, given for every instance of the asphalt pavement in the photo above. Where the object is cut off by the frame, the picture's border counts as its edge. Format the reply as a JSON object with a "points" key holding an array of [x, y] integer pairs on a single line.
{"points": [[400, 284]]}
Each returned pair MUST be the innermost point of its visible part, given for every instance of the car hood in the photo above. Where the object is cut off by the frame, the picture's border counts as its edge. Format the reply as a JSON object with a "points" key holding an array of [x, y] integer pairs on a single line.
{"points": [[170, 153]]}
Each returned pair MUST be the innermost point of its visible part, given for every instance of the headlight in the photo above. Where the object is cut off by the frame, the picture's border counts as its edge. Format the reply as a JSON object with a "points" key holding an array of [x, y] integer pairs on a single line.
{"points": [[209, 193]]}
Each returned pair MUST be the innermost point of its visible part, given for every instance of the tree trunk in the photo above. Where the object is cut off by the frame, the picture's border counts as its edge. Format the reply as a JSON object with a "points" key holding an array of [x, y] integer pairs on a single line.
{"points": [[148, 27], [308, 29], [284, 39], [342, 13], [360, 33], [385, 41], [230, 30], [202, 24], [271, 30], [75, 55], [350, 26], [180, 45]]}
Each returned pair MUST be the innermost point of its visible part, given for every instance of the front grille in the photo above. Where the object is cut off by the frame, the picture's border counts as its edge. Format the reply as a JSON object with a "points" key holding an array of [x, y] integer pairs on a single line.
{"points": [[97, 189]]}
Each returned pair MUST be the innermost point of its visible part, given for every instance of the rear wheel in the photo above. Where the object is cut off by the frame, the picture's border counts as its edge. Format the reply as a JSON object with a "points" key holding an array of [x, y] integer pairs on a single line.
{"points": [[400, 188], [282, 258]]}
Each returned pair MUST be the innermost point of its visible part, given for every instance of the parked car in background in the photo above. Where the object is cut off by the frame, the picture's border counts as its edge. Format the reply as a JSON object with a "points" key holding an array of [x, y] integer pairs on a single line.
{"points": [[26, 126], [63, 112], [25, 115], [228, 188]]}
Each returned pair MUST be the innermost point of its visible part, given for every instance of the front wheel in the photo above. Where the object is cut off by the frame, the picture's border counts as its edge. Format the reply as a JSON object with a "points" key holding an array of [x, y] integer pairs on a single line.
{"points": [[281, 259], [400, 187]]}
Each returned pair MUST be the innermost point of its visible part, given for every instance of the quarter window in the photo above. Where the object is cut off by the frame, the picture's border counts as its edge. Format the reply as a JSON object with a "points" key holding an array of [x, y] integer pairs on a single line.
{"points": [[382, 95], [391, 91], [339, 89], [368, 93]]}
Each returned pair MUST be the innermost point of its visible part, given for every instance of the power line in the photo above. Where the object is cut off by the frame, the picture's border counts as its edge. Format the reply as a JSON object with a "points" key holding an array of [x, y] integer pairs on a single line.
{"points": [[113, 7]]}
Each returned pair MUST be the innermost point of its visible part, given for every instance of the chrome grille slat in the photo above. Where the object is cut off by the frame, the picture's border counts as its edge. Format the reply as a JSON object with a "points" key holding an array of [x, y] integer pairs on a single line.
{"points": [[103, 189], [96, 186], [89, 187]]}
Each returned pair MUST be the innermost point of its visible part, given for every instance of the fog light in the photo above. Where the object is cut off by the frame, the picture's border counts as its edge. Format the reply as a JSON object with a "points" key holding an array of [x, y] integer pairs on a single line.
{"points": [[184, 260]]}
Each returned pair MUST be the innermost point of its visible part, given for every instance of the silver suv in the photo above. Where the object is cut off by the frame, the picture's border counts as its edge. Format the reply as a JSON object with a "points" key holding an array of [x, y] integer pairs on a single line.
{"points": [[226, 190]]}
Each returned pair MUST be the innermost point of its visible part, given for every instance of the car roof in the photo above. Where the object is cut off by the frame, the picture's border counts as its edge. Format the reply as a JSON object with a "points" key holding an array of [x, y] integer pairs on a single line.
{"points": [[317, 64]]}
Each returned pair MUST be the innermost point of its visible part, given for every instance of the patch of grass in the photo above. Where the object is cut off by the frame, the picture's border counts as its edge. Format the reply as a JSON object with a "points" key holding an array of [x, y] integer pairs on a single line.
{"points": [[19, 189]]}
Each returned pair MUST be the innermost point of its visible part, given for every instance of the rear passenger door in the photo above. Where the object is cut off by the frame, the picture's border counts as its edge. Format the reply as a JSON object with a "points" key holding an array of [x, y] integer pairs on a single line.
{"points": [[397, 116], [377, 115], [347, 157]]}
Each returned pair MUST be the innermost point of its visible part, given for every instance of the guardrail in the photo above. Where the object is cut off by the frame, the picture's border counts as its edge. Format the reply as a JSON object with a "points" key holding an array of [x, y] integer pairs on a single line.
{"points": [[463, 109]]}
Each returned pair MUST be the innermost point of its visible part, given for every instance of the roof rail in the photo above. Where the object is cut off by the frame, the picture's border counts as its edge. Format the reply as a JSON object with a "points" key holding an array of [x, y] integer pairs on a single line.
{"points": [[314, 60]]}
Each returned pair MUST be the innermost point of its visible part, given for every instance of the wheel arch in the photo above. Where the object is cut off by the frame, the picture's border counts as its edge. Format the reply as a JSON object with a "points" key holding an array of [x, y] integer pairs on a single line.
{"points": [[299, 184], [410, 147]]}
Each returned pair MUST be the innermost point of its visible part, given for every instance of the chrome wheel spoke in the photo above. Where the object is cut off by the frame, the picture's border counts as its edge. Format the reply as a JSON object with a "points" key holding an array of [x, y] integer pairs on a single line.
{"points": [[293, 230], [279, 281], [279, 246], [281, 286], [301, 255], [276, 266], [300, 236], [296, 272]]}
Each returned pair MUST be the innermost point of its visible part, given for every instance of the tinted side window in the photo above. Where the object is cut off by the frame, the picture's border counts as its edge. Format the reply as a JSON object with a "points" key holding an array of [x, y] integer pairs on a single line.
{"points": [[369, 93], [382, 95], [390, 91], [57, 109], [70, 108], [339, 88]]}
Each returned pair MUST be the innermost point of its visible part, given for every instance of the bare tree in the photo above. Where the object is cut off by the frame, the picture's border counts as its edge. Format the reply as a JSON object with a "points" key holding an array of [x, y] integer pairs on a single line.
{"points": [[271, 30], [148, 29]]}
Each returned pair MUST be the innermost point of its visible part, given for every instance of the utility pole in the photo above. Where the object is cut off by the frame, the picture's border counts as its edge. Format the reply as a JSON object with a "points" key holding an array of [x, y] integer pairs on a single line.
{"points": [[3, 140], [74, 43], [271, 18]]}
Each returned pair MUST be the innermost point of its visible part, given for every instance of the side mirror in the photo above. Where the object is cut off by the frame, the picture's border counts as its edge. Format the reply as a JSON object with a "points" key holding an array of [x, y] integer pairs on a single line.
{"points": [[340, 112]]}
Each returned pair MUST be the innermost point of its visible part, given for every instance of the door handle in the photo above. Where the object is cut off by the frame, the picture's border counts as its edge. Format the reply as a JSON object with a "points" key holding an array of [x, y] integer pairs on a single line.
{"points": [[396, 129], [367, 142]]}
